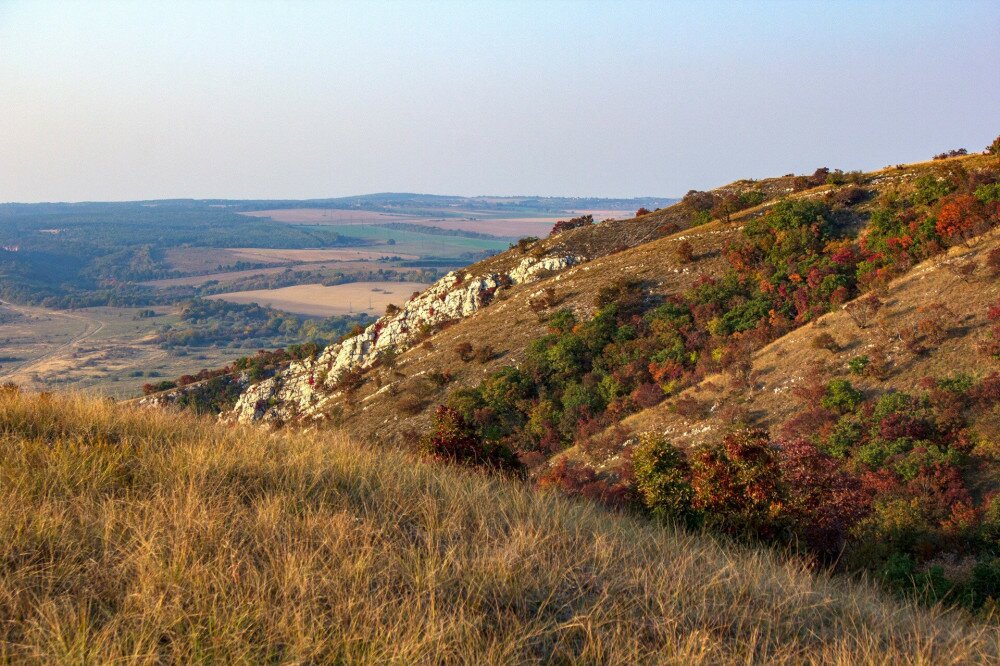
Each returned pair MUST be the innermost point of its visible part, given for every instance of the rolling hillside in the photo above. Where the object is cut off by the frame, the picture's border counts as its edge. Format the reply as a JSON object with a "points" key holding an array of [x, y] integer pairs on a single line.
{"points": [[141, 536], [810, 361]]}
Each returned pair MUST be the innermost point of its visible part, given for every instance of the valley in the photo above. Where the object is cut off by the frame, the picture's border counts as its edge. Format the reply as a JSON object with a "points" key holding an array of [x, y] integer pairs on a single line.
{"points": [[102, 350], [79, 275]]}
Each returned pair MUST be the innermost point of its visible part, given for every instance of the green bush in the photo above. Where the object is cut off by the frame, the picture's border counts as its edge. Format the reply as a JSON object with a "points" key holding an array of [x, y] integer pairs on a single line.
{"points": [[661, 474], [841, 396], [858, 365]]}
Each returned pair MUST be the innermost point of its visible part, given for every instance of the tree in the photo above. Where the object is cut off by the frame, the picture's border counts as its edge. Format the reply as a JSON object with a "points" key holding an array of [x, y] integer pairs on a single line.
{"points": [[994, 148], [642, 211]]}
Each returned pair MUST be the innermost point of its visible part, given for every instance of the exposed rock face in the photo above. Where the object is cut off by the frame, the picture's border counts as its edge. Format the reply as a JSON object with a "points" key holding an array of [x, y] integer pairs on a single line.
{"points": [[305, 387]]}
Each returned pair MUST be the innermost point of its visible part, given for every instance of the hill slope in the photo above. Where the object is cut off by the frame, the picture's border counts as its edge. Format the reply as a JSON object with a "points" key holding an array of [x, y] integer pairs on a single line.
{"points": [[142, 536]]}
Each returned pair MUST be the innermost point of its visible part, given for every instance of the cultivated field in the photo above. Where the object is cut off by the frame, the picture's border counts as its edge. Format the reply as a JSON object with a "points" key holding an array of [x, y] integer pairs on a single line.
{"points": [[503, 227], [107, 350], [262, 255], [346, 267], [203, 260], [318, 300]]}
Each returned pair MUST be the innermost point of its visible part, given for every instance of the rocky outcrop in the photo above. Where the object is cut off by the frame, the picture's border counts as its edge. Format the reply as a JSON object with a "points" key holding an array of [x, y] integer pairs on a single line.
{"points": [[306, 387]]}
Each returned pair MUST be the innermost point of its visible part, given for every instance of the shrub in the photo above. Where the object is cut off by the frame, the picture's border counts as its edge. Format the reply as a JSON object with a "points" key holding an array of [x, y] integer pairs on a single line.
{"points": [[685, 252], [576, 478], [642, 211], [951, 153], [841, 396], [993, 262], [930, 188], [863, 310], [147, 389], [847, 196], [464, 351], [484, 354], [410, 404], [627, 294], [991, 343], [858, 365], [574, 223], [524, 244], [800, 183], [994, 148], [647, 395], [936, 321], [959, 218], [388, 357], [662, 477], [823, 500], [562, 322], [454, 440], [737, 485], [391, 310], [698, 202], [826, 341]]}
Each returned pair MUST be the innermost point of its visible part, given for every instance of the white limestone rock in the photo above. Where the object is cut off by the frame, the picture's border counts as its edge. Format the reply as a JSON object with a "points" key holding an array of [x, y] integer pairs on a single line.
{"points": [[304, 388]]}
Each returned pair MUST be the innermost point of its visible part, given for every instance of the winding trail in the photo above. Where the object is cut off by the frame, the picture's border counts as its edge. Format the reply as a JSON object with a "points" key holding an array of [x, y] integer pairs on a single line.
{"points": [[93, 327]]}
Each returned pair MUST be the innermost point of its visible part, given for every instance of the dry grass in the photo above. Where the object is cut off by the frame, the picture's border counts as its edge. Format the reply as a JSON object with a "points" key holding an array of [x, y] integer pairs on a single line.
{"points": [[131, 536]]}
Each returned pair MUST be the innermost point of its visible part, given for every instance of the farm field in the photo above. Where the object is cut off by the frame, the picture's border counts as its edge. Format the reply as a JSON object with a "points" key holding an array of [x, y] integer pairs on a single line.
{"points": [[203, 260], [319, 300], [314, 254], [226, 276], [105, 349], [473, 221]]}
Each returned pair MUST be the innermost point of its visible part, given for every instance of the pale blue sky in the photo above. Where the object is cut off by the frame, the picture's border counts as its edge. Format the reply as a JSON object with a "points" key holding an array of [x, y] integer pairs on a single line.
{"points": [[119, 100]]}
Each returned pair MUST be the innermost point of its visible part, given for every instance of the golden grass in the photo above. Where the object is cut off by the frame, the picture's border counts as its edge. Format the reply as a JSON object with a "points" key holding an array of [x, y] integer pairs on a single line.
{"points": [[147, 536]]}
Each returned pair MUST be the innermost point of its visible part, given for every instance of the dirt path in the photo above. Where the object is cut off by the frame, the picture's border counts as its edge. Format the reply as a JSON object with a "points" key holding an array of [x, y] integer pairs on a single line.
{"points": [[92, 328]]}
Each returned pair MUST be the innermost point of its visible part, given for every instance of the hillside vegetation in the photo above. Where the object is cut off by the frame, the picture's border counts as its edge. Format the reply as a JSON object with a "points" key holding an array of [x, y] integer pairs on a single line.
{"points": [[807, 360], [150, 536]]}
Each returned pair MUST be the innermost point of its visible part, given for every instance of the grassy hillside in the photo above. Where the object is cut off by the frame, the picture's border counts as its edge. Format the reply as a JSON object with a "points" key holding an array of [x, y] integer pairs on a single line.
{"points": [[147, 536]]}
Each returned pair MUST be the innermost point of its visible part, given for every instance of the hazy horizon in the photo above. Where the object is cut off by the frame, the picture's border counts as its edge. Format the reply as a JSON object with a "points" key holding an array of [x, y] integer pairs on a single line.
{"points": [[124, 101]]}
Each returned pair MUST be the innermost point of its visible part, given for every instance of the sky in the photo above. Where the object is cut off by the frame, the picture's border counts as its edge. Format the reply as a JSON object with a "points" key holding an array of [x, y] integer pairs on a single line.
{"points": [[143, 100]]}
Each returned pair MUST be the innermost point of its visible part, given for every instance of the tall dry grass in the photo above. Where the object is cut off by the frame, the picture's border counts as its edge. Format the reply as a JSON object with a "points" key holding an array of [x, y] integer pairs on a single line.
{"points": [[146, 536]]}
